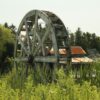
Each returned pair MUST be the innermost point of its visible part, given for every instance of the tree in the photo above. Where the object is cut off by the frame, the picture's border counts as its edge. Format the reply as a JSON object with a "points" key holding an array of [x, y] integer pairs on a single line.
{"points": [[72, 39], [6, 45], [86, 40], [11, 27], [6, 25], [78, 37]]}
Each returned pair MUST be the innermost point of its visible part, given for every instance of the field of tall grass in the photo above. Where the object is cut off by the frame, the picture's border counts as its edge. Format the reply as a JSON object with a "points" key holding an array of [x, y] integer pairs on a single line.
{"points": [[61, 84]]}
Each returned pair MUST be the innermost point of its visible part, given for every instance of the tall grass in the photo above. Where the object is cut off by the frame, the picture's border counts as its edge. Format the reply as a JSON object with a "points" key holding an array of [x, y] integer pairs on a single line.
{"points": [[77, 84]]}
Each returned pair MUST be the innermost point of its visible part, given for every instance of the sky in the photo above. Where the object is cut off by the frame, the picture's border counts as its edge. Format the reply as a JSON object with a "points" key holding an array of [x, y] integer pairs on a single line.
{"points": [[74, 13]]}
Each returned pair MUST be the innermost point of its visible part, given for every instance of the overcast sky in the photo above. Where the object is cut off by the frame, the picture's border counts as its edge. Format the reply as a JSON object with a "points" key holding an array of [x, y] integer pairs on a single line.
{"points": [[74, 13]]}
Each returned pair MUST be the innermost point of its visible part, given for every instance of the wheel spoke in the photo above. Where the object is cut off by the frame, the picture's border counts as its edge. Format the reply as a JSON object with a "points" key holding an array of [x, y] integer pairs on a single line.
{"points": [[43, 50], [36, 34], [27, 37], [33, 41], [39, 39], [23, 47], [46, 34], [36, 50]]}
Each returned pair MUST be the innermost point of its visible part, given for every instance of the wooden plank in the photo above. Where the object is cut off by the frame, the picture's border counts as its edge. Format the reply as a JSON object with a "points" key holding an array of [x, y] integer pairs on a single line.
{"points": [[17, 59], [48, 59]]}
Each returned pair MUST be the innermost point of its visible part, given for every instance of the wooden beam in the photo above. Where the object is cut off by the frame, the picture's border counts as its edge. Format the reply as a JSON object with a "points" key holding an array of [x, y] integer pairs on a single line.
{"points": [[49, 59]]}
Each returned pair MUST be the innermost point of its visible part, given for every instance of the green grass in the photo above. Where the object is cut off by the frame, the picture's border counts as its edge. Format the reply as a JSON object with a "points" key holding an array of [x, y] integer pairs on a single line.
{"points": [[63, 85]]}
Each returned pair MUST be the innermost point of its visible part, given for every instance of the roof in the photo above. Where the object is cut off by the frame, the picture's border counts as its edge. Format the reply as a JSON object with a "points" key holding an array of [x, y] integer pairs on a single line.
{"points": [[74, 50], [77, 50]]}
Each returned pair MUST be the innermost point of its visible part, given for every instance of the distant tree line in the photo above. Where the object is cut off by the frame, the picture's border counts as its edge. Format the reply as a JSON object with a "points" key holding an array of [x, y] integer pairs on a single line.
{"points": [[85, 39], [11, 27]]}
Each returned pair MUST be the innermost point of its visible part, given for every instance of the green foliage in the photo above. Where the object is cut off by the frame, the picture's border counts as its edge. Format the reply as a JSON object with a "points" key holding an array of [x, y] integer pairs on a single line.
{"points": [[6, 46], [85, 39], [5, 37], [66, 86]]}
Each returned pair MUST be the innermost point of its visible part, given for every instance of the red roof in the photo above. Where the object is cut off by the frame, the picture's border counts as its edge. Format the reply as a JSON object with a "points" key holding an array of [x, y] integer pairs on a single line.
{"points": [[74, 50], [77, 50]]}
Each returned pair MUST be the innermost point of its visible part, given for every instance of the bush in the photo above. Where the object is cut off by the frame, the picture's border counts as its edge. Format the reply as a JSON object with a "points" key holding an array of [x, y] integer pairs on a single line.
{"points": [[6, 47]]}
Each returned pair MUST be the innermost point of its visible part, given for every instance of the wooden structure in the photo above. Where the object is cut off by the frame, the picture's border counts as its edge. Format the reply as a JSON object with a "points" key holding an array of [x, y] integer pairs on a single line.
{"points": [[78, 55], [39, 32]]}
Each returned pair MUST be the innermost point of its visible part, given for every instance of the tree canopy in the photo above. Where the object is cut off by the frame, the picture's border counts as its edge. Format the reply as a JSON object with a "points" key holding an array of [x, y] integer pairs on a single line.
{"points": [[6, 44], [85, 39]]}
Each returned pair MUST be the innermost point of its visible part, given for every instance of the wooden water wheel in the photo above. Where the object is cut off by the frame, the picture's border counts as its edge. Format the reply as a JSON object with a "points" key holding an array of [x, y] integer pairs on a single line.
{"points": [[39, 33]]}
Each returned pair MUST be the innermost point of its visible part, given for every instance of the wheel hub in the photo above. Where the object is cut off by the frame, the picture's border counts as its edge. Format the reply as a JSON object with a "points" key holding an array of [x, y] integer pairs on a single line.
{"points": [[30, 59]]}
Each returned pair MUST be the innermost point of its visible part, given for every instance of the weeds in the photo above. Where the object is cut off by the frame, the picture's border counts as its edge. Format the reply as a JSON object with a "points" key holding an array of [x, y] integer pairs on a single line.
{"points": [[64, 86]]}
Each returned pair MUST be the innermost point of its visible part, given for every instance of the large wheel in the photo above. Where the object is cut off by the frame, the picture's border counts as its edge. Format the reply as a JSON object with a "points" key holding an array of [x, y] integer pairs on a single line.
{"points": [[39, 32]]}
